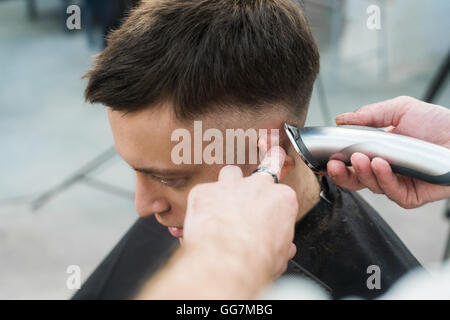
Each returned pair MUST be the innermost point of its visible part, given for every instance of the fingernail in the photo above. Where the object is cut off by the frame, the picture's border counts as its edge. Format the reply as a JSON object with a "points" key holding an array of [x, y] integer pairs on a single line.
{"points": [[341, 117], [262, 143]]}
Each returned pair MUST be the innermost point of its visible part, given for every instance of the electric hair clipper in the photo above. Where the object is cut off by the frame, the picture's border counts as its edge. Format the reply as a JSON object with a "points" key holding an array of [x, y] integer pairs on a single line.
{"points": [[407, 156]]}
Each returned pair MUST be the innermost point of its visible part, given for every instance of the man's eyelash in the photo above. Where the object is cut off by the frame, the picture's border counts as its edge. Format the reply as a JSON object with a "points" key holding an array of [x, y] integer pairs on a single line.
{"points": [[154, 177], [162, 180], [169, 182]]}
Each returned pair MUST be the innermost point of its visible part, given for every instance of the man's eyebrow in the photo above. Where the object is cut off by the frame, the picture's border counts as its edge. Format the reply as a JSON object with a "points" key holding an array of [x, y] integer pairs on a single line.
{"points": [[163, 172]]}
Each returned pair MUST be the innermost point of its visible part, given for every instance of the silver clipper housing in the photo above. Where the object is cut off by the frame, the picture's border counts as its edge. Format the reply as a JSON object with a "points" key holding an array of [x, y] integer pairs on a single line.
{"points": [[407, 156]]}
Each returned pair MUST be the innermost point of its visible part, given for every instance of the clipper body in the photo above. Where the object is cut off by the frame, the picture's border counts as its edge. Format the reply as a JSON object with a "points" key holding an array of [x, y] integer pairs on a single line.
{"points": [[407, 156]]}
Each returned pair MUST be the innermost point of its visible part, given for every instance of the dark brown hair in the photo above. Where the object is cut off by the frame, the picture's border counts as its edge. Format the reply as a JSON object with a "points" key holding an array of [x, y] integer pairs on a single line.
{"points": [[207, 55]]}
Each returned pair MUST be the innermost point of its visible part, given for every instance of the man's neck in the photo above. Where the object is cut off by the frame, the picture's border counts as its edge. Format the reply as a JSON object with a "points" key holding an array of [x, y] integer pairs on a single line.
{"points": [[306, 185]]}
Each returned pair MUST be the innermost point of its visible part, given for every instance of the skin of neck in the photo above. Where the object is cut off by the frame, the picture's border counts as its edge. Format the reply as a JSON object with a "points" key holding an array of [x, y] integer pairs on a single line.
{"points": [[304, 182]]}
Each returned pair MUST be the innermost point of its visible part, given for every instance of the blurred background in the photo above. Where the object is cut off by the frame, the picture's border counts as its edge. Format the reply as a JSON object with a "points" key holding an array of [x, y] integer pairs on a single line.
{"points": [[66, 198]]}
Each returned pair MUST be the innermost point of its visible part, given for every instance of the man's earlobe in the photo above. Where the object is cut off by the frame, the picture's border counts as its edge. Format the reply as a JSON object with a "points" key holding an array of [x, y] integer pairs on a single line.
{"points": [[289, 164]]}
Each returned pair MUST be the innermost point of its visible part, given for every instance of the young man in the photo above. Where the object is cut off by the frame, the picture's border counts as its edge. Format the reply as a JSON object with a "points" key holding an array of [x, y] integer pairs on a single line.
{"points": [[231, 64]]}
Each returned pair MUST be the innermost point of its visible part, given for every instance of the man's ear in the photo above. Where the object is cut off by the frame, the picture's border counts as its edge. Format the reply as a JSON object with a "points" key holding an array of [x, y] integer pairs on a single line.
{"points": [[288, 165], [277, 137]]}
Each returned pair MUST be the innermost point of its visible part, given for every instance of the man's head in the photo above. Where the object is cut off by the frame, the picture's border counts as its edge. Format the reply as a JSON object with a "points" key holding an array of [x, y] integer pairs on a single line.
{"points": [[229, 63]]}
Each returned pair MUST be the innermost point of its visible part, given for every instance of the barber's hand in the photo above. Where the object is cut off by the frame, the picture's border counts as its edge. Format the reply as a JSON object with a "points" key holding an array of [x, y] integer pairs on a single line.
{"points": [[249, 219], [406, 116]]}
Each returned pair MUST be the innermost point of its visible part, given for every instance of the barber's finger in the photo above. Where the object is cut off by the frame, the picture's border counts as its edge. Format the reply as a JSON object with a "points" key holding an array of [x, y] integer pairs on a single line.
{"points": [[387, 180], [267, 141], [380, 114], [343, 176], [262, 145], [229, 173], [363, 169], [274, 161]]}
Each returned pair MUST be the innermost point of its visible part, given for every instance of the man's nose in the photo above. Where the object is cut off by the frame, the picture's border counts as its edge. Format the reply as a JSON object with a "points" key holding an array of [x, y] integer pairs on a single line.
{"points": [[149, 198]]}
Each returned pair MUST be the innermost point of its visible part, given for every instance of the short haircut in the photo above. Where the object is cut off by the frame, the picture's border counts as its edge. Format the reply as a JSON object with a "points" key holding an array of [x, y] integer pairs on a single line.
{"points": [[204, 56]]}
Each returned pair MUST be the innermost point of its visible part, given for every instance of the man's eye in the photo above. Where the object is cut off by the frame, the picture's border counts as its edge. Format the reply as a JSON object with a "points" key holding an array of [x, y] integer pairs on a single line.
{"points": [[172, 182]]}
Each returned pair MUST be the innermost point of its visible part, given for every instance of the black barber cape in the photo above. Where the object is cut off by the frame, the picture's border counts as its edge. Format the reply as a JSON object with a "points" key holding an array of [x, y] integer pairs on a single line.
{"points": [[337, 240]]}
